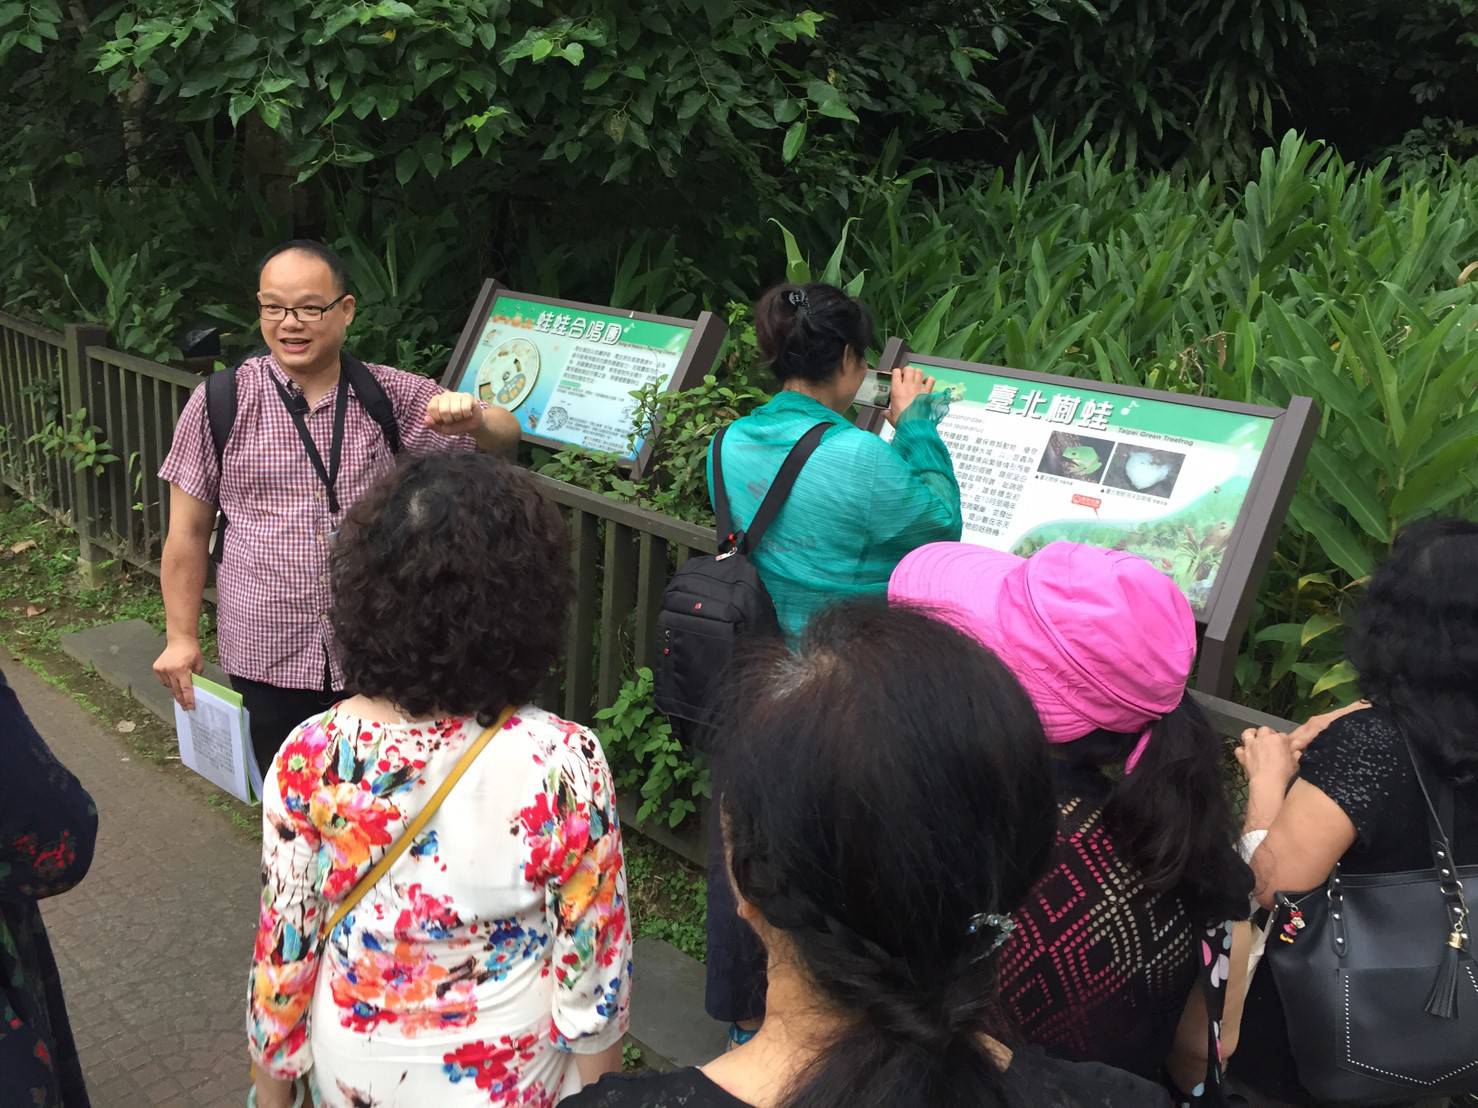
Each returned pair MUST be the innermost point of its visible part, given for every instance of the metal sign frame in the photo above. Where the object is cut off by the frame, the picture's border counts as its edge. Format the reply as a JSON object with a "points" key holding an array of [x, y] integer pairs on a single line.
{"points": [[697, 358], [1255, 531]]}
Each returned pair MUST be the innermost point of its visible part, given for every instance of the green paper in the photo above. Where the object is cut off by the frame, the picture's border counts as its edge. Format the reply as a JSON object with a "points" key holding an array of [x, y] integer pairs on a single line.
{"points": [[230, 696]]}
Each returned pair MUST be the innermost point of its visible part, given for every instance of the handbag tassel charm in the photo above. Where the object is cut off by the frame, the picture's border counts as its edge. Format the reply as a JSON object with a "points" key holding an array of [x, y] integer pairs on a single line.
{"points": [[1442, 1002], [1292, 925]]}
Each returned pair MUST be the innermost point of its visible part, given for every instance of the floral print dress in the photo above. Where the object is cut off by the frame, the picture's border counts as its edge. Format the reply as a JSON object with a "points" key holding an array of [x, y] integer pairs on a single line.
{"points": [[493, 948]]}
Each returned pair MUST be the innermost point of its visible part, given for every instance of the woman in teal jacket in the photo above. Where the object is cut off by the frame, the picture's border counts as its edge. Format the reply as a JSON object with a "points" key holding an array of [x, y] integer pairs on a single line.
{"points": [[861, 503]]}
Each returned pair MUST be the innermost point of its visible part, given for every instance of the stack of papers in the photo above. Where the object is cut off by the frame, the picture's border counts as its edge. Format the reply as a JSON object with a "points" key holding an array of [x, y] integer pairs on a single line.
{"points": [[215, 741]]}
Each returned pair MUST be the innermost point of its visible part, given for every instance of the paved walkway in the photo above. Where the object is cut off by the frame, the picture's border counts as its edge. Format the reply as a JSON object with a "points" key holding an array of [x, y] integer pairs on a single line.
{"points": [[155, 943]]}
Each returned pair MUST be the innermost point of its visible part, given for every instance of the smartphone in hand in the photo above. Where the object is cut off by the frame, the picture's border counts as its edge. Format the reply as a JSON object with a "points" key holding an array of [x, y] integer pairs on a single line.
{"points": [[877, 388]]}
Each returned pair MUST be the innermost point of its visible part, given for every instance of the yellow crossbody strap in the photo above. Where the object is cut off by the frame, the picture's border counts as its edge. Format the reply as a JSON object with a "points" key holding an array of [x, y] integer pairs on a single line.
{"points": [[416, 825]]}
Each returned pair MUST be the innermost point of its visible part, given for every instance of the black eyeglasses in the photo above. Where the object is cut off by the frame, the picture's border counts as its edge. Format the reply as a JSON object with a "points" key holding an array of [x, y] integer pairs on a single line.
{"points": [[304, 313]]}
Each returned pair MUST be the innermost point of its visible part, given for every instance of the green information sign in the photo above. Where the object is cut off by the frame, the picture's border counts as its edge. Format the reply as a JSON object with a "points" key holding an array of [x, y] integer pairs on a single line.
{"points": [[1197, 487], [569, 372]]}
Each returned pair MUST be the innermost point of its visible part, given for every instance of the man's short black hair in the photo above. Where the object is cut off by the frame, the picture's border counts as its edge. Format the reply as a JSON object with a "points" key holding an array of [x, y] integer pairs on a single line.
{"points": [[309, 246]]}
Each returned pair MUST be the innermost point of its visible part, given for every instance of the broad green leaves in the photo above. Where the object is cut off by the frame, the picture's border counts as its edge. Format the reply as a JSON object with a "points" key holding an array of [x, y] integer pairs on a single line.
{"points": [[28, 25], [1314, 280], [615, 92]]}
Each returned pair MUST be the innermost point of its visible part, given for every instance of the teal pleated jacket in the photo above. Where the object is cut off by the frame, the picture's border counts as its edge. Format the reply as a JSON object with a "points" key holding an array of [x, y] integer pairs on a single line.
{"points": [[859, 505]]}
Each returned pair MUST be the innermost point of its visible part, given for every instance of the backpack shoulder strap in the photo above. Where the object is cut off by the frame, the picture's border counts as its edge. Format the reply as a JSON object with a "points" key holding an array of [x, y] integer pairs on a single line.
{"points": [[779, 489], [220, 414], [721, 514], [220, 409], [371, 397]]}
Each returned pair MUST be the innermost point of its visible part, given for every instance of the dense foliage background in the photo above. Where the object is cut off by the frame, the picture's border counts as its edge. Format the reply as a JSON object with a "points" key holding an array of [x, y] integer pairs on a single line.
{"points": [[1245, 198], [560, 145]]}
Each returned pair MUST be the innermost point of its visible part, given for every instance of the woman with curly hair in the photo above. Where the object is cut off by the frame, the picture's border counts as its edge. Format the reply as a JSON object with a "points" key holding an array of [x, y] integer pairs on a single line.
{"points": [[491, 963], [1356, 800]]}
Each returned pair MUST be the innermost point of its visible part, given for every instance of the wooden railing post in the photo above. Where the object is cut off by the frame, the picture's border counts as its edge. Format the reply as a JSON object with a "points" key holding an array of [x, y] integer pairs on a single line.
{"points": [[78, 337]]}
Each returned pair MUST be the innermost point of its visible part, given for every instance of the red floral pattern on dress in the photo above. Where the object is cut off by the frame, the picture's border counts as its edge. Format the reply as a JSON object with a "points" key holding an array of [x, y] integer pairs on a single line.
{"points": [[493, 1066], [437, 962]]}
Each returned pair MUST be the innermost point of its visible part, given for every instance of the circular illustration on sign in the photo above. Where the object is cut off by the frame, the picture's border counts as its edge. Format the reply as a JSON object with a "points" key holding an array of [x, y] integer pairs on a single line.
{"points": [[555, 419], [508, 374]]}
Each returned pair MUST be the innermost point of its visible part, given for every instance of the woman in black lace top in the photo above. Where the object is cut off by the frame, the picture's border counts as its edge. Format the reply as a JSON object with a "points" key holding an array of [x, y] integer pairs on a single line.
{"points": [[886, 803], [1357, 802]]}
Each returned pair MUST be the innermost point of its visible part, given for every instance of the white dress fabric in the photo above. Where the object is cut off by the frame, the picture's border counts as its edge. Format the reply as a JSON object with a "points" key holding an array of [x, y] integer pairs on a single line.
{"points": [[497, 946]]}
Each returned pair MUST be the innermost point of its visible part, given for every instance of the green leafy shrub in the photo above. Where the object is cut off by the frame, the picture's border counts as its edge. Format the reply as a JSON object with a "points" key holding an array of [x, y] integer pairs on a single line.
{"points": [[77, 442], [1197, 81], [644, 756]]}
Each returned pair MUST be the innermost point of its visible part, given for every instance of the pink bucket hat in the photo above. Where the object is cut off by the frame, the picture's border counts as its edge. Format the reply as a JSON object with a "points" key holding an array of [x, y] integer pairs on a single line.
{"points": [[1100, 639]]}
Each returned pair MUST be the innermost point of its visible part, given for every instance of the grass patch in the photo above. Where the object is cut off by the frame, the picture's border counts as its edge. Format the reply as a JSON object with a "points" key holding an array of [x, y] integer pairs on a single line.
{"points": [[42, 598], [240, 815], [668, 897]]}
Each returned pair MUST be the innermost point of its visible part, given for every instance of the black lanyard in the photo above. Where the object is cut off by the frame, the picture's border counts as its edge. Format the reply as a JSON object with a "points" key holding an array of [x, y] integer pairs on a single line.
{"points": [[297, 407]]}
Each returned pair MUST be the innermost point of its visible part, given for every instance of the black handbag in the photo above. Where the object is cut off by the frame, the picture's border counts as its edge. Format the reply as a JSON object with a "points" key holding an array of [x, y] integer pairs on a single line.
{"points": [[1376, 977]]}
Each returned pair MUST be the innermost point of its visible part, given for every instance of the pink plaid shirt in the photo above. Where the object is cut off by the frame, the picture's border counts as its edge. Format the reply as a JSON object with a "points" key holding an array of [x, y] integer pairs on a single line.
{"points": [[272, 612]]}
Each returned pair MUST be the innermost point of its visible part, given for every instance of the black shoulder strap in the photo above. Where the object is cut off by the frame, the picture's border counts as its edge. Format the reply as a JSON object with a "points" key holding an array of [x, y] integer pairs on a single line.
{"points": [[371, 397], [220, 409], [775, 496], [721, 515], [220, 413], [1439, 814]]}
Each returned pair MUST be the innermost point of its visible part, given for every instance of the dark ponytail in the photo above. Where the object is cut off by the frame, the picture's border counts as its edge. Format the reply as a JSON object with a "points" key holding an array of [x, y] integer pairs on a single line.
{"points": [[881, 786], [1414, 643], [1172, 817], [804, 331]]}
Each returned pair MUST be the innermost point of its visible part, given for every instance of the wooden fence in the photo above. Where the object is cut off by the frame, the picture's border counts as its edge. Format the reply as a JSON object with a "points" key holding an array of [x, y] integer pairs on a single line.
{"points": [[32, 361], [128, 403], [623, 555]]}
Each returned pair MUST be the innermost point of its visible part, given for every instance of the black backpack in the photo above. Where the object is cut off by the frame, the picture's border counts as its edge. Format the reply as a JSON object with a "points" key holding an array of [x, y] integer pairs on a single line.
{"points": [[220, 413], [715, 600]]}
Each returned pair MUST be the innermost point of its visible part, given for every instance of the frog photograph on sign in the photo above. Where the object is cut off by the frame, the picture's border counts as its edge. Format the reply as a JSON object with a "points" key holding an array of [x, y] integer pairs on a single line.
{"points": [[1075, 456], [1139, 469]]}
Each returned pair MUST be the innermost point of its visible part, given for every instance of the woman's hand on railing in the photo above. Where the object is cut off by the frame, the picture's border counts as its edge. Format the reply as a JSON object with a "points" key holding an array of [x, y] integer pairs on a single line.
{"points": [[1270, 761]]}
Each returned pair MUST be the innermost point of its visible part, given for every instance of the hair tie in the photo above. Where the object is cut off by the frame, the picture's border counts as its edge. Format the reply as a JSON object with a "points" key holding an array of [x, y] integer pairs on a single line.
{"points": [[798, 300], [991, 921], [1139, 748]]}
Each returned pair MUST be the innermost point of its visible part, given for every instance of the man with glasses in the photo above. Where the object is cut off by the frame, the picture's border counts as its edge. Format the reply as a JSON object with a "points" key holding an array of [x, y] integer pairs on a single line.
{"points": [[304, 444]]}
